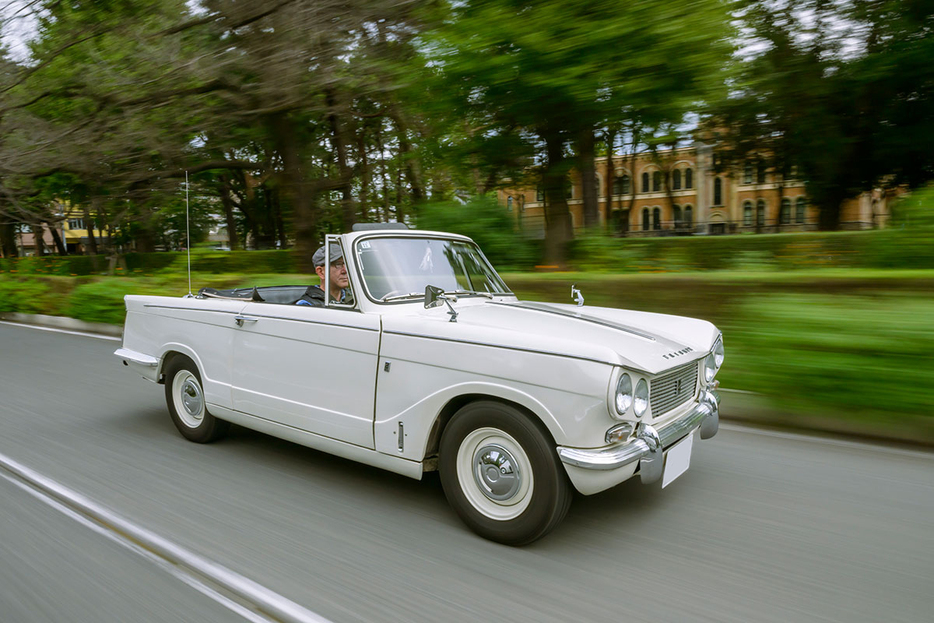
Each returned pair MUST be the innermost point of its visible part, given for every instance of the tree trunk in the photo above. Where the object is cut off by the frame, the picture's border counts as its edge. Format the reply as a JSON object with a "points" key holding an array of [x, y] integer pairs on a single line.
{"points": [[89, 224], [586, 147], [277, 216], [233, 240], [303, 215], [412, 174], [38, 243], [364, 176], [57, 239], [633, 176], [610, 138], [384, 204], [829, 215], [8, 240], [339, 141], [557, 217]]}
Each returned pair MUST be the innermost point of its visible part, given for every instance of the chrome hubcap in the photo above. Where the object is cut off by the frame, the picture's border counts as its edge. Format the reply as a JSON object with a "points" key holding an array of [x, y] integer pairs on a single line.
{"points": [[496, 472], [192, 399]]}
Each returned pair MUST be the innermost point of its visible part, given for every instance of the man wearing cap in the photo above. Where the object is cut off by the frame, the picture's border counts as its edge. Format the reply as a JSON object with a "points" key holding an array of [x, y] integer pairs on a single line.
{"points": [[339, 281]]}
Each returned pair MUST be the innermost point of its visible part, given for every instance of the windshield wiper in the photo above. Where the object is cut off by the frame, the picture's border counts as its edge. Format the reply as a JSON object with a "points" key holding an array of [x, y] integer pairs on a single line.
{"points": [[399, 297], [489, 295]]}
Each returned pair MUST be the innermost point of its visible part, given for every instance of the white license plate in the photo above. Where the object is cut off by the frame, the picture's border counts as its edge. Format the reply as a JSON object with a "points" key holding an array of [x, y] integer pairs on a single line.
{"points": [[677, 460]]}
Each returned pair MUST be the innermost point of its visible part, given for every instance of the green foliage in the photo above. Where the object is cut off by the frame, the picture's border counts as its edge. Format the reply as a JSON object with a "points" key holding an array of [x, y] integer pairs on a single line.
{"points": [[488, 224], [27, 295], [894, 248], [857, 355], [68, 265]]}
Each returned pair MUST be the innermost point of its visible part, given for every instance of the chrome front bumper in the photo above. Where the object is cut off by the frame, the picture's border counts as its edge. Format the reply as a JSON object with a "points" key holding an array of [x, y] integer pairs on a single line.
{"points": [[650, 443]]}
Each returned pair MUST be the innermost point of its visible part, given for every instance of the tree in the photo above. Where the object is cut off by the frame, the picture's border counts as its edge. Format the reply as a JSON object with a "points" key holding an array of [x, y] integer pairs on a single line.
{"points": [[841, 91], [560, 70]]}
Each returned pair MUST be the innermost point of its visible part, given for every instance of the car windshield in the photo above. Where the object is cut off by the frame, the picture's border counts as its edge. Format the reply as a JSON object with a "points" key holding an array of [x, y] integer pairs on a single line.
{"points": [[401, 268]]}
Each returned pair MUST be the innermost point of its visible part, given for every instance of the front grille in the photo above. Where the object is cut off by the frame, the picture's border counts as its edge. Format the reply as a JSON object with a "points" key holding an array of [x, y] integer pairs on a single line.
{"points": [[673, 389]]}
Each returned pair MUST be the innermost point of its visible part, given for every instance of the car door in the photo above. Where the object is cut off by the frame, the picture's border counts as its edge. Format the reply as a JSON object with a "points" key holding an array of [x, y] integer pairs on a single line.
{"points": [[312, 368]]}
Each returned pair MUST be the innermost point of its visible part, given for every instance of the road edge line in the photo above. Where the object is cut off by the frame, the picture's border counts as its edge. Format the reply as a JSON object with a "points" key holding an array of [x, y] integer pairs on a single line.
{"points": [[266, 600]]}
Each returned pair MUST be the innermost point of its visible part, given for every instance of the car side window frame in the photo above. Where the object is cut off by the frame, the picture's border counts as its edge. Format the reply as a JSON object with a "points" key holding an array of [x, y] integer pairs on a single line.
{"points": [[330, 239]]}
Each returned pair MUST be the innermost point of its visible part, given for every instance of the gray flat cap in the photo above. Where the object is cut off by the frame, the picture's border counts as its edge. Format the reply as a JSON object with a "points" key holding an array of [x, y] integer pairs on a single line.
{"points": [[318, 257]]}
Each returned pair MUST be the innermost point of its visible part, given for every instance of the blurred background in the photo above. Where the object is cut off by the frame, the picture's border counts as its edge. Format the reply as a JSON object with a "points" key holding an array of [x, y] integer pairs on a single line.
{"points": [[760, 164]]}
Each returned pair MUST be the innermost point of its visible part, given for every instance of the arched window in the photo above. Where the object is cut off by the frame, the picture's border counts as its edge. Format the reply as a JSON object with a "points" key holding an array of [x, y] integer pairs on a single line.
{"points": [[509, 204], [677, 211], [656, 219], [656, 181], [747, 214], [747, 173], [688, 178], [760, 172], [598, 185], [688, 216], [799, 210], [621, 185], [645, 182], [676, 179], [718, 192], [569, 190], [539, 194], [760, 213], [645, 219], [785, 214]]}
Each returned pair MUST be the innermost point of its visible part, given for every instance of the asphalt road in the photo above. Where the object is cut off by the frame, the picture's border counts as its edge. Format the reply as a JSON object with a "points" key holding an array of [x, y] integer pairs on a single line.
{"points": [[763, 527]]}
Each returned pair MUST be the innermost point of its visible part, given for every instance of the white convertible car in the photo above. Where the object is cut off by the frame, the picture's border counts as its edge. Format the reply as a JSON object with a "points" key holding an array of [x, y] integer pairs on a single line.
{"points": [[431, 363]]}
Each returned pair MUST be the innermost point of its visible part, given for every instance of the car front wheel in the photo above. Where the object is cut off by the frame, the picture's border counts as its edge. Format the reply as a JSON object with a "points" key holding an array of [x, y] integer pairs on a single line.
{"points": [[185, 398], [501, 474]]}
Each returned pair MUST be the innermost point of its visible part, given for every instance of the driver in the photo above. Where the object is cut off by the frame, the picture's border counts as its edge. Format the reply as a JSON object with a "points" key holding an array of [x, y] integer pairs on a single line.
{"points": [[339, 280]]}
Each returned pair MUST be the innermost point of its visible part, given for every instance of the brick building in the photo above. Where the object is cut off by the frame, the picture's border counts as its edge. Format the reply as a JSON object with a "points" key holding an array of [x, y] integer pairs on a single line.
{"points": [[696, 199]]}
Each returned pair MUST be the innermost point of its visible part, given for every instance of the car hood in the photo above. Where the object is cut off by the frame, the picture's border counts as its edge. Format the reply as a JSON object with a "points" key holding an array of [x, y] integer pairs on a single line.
{"points": [[643, 341]]}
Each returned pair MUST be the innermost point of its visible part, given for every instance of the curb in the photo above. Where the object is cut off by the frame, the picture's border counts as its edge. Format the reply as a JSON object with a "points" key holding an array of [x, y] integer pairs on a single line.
{"points": [[62, 322]]}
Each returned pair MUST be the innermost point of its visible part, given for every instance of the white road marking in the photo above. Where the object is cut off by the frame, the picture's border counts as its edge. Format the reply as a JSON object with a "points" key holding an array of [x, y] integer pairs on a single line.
{"points": [[842, 443], [254, 602], [160, 562], [54, 330]]}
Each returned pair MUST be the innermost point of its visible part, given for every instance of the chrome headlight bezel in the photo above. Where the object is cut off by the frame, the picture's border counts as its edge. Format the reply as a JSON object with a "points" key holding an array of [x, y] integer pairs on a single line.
{"points": [[622, 398], [718, 353], [640, 398], [714, 360]]}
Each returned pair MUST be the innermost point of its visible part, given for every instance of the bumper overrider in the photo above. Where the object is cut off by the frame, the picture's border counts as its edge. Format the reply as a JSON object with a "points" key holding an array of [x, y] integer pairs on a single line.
{"points": [[648, 446]]}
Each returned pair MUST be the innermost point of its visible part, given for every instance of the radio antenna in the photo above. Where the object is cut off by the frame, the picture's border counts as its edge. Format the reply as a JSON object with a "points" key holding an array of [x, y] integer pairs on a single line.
{"points": [[188, 234]]}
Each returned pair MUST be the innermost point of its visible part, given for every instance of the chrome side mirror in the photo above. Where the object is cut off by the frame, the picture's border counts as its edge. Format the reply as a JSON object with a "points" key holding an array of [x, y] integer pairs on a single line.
{"points": [[435, 297]]}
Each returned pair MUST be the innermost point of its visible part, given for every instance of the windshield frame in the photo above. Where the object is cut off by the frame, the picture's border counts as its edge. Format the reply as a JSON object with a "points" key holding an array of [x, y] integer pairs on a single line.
{"points": [[420, 236]]}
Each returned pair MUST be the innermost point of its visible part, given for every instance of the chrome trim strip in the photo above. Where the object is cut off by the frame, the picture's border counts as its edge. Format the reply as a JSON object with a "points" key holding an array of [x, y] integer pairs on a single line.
{"points": [[604, 459], [194, 309], [252, 315], [511, 348], [135, 357], [327, 324], [545, 309]]}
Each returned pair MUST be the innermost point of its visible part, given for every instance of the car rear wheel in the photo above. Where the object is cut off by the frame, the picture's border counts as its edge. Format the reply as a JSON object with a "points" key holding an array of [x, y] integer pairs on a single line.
{"points": [[185, 398], [501, 474]]}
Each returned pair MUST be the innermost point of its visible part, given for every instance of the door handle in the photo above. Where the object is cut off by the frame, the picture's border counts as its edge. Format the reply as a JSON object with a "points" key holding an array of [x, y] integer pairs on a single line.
{"points": [[241, 319]]}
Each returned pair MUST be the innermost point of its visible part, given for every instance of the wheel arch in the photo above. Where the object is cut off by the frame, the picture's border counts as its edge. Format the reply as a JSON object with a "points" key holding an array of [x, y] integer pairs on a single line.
{"points": [[173, 351], [456, 403]]}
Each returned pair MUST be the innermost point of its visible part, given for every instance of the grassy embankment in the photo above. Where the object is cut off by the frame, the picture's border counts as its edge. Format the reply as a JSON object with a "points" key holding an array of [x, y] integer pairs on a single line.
{"points": [[845, 350]]}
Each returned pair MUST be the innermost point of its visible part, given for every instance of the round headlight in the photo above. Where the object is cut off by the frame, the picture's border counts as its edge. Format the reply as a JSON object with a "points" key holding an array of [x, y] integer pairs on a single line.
{"points": [[710, 367], [718, 353], [623, 394], [641, 398]]}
